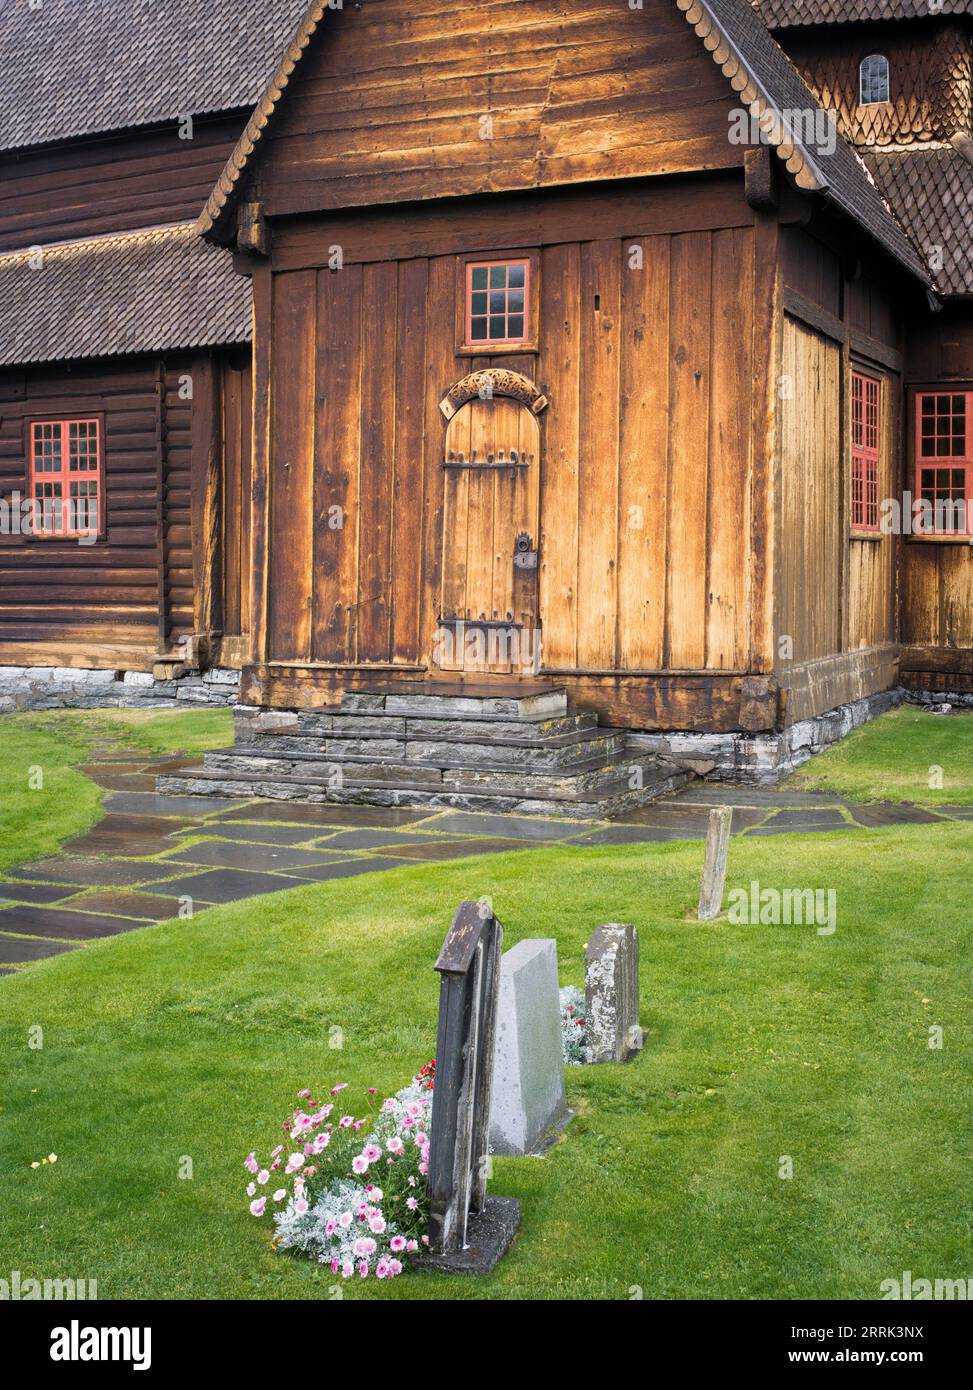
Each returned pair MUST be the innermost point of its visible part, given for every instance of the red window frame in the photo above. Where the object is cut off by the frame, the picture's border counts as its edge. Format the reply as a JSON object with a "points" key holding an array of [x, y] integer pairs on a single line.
{"points": [[866, 449], [65, 471], [507, 312], [943, 458]]}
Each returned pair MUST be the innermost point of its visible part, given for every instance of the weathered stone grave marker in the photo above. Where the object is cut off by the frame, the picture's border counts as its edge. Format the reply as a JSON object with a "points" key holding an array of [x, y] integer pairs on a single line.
{"points": [[612, 993], [468, 1231], [714, 865], [528, 1092]]}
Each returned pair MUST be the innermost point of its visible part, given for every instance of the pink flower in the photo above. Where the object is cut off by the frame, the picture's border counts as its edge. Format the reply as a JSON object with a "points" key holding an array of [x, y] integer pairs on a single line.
{"points": [[411, 1203], [423, 1168], [346, 1122], [363, 1269], [277, 1150], [397, 1243], [334, 1265], [359, 1164], [412, 1245], [345, 1220], [250, 1163], [376, 1224], [280, 1194], [382, 1270], [364, 1245], [371, 1152], [342, 1085], [263, 1177], [425, 1240], [295, 1161], [251, 1189], [375, 1193], [395, 1267], [421, 1138], [304, 1095], [257, 1207], [347, 1269], [301, 1207], [395, 1145], [330, 1227]]}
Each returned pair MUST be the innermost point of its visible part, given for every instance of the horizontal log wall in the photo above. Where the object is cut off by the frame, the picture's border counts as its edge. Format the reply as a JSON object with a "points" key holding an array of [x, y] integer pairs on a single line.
{"points": [[131, 594], [395, 102], [116, 183]]}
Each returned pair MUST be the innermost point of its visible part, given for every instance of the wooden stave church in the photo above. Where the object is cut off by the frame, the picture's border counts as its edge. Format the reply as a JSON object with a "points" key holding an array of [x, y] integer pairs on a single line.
{"points": [[745, 608]]}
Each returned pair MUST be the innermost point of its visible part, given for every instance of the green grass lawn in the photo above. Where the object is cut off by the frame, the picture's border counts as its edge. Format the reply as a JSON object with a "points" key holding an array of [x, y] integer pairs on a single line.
{"points": [[895, 757], [191, 1038], [45, 800]]}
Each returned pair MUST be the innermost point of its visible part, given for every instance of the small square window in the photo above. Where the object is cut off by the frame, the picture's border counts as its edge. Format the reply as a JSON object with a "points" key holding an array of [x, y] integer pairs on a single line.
{"points": [[497, 298]]}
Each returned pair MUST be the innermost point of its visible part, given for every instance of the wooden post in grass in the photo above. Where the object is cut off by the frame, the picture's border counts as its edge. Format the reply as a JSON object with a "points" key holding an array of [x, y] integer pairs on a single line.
{"points": [[714, 867], [468, 1231]]}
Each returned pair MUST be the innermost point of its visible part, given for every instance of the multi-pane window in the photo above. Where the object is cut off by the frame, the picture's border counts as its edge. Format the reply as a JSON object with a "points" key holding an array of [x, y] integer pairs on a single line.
{"points": [[497, 301], [873, 79], [944, 463], [65, 477], [866, 432]]}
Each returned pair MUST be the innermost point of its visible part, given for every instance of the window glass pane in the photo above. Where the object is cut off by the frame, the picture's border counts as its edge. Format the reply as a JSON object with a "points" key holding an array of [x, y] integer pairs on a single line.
{"points": [[515, 326], [498, 301], [479, 303], [515, 302], [480, 277], [498, 276], [497, 328], [478, 329], [515, 276], [874, 79]]}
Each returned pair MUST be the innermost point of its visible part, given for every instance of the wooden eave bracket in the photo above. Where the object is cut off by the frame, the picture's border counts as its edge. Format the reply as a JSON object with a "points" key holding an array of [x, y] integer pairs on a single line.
{"points": [[796, 159]]}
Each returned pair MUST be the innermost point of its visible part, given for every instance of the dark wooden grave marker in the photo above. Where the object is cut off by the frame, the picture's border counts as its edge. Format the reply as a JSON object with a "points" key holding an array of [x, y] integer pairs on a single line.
{"points": [[468, 1231]]}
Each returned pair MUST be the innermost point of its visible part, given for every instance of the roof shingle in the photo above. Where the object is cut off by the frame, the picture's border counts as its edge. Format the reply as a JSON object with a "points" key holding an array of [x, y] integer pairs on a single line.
{"points": [[82, 67], [833, 166], [931, 193], [150, 291], [792, 14]]}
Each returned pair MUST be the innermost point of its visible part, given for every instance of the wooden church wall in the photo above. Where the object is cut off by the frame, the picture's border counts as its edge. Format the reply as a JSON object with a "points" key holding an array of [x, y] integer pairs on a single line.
{"points": [[836, 606], [395, 102], [937, 576], [647, 442]]}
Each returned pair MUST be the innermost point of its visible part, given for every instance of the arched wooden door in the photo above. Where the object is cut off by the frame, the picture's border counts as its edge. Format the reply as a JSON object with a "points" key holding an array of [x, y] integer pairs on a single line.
{"points": [[489, 619]]}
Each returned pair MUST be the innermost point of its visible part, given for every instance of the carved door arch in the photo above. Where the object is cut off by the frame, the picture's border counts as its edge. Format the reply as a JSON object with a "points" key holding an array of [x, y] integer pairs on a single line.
{"points": [[489, 619]]}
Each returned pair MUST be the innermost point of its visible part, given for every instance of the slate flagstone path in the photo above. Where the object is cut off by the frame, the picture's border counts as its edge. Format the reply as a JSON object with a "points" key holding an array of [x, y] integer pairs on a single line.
{"points": [[151, 854]]}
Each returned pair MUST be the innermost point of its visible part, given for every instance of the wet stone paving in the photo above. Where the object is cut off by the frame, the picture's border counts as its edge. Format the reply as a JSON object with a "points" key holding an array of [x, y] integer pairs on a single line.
{"points": [[152, 855]]}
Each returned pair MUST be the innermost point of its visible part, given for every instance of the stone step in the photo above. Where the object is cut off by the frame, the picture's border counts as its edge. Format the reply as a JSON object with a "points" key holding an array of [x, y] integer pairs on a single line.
{"points": [[319, 724], [538, 766], [572, 751], [544, 704], [658, 779]]}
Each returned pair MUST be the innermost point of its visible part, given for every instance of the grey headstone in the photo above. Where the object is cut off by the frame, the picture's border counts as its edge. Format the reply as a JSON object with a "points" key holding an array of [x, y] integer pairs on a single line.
{"points": [[612, 993], [528, 1076]]}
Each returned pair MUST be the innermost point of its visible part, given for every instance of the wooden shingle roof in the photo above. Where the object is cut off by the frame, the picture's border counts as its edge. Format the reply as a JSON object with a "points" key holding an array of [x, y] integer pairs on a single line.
{"points": [[931, 192], [83, 67], [793, 14], [149, 291]]}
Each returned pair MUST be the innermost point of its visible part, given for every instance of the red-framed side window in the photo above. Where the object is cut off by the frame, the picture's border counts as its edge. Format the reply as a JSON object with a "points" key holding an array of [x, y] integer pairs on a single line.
{"points": [[497, 302], [944, 462], [66, 476], [866, 436]]}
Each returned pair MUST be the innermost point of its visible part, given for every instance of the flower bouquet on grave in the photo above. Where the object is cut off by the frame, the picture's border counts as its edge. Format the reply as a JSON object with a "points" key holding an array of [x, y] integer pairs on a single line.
{"points": [[350, 1191]]}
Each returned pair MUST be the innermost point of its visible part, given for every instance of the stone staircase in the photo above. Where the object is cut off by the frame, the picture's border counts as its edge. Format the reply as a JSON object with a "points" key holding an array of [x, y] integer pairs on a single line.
{"points": [[519, 753]]}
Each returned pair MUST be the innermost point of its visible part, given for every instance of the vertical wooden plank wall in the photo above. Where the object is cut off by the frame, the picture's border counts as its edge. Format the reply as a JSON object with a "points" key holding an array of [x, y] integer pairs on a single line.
{"points": [[646, 357]]}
